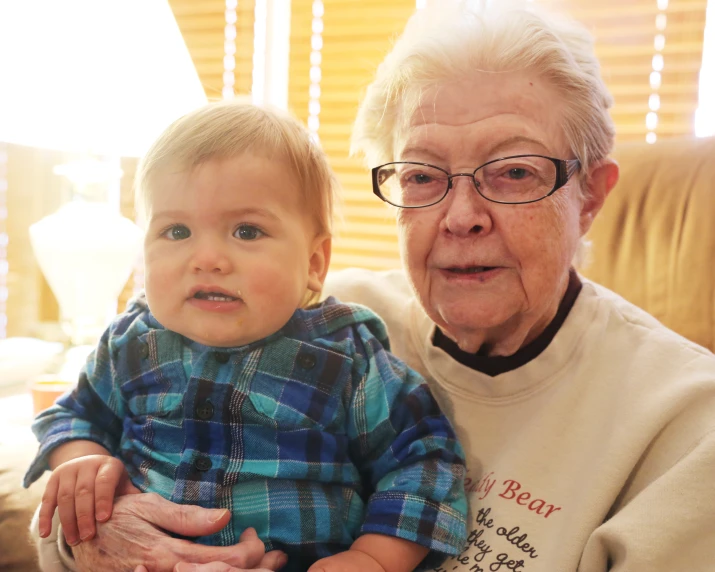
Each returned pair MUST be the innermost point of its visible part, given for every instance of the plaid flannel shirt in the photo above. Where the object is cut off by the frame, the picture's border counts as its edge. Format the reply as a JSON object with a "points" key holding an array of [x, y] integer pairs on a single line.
{"points": [[312, 436]]}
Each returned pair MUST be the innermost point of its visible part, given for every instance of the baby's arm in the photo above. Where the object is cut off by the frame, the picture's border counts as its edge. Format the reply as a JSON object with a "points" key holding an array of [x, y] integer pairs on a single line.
{"points": [[84, 482], [408, 454], [374, 553]]}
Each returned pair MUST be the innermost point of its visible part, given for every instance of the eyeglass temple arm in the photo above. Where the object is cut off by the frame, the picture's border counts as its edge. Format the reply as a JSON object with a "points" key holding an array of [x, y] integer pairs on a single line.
{"points": [[572, 165]]}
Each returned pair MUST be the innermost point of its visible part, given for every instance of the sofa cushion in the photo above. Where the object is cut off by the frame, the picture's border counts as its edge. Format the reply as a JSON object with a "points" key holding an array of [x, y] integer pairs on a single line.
{"points": [[654, 240]]}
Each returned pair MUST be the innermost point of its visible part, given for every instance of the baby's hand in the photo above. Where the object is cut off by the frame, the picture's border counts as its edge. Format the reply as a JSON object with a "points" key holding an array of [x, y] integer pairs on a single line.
{"points": [[81, 489], [348, 561]]}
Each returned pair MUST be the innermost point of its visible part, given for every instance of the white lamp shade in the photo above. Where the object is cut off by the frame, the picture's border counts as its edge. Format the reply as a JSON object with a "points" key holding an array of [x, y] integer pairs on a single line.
{"points": [[92, 76], [87, 252]]}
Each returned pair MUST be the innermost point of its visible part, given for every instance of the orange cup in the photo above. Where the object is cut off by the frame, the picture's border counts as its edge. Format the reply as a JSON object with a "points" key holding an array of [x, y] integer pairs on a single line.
{"points": [[45, 389]]}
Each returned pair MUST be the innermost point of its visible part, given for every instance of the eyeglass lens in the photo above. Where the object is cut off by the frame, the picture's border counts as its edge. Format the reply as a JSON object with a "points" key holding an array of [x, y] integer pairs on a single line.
{"points": [[509, 180]]}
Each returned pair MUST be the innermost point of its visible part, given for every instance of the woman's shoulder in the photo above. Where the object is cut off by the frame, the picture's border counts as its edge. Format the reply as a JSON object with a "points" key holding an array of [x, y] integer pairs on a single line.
{"points": [[361, 282], [639, 326], [386, 292]]}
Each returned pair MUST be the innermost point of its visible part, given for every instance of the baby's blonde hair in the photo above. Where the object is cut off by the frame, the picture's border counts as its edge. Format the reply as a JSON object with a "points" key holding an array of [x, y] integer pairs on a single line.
{"points": [[225, 129]]}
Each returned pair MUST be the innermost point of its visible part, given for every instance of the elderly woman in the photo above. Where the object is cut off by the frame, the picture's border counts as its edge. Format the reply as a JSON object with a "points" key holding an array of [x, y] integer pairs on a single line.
{"points": [[589, 427]]}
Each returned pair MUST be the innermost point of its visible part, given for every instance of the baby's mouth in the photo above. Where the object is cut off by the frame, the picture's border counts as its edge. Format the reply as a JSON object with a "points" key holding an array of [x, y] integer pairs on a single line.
{"points": [[214, 296]]}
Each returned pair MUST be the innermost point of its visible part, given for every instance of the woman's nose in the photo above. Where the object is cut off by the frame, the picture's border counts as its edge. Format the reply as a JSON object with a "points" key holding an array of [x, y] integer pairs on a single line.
{"points": [[210, 257], [468, 212]]}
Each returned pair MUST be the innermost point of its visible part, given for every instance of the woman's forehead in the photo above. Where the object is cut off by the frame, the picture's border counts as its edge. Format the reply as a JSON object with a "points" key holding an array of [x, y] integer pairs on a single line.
{"points": [[490, 110]]}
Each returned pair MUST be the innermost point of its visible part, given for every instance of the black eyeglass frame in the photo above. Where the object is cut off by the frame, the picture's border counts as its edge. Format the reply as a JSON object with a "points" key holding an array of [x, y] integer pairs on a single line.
{"points": [[565, 169]]}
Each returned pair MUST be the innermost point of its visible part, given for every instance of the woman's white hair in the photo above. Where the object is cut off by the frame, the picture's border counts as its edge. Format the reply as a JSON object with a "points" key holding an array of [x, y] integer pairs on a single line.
{"points": [[450, 40]]}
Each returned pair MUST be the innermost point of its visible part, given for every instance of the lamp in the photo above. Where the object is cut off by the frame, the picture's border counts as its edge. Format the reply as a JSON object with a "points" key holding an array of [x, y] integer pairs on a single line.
{"points": [[102, 79]]}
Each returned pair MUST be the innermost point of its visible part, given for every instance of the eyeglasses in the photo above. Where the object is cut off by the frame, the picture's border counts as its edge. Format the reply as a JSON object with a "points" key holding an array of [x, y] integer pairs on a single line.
{"points": [[510, 180]]}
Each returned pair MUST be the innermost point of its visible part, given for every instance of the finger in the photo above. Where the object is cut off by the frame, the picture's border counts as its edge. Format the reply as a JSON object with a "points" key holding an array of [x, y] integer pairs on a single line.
{"points": [[84, 501], [48, 506], [182, 519], [247, 535], [274, 560], [210, 567], [140, 568], [247, 554], [106, 482], [65, 507], [214, 567]]}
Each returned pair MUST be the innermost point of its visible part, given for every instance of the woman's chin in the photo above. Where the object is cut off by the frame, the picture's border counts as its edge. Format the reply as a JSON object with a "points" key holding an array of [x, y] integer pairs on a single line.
{"points": [[463, 321]]}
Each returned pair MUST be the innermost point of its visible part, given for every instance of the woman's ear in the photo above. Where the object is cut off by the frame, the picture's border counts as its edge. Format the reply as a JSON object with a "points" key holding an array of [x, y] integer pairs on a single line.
{"points": [[319, 262], [602, 178]]}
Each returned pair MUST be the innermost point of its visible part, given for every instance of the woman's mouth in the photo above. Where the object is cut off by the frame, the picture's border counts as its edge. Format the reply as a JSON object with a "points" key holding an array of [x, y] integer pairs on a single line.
{"points": [[470, 269], [471, 274]]}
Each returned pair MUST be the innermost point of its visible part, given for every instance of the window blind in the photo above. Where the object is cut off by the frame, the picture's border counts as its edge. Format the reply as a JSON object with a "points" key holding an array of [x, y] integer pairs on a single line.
{"points": [[650, 53], [203, 26], [353, 36]]}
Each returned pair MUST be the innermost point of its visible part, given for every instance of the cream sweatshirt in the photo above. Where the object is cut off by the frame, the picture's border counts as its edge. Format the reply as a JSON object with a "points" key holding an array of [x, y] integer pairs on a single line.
{"points": [[599, 454]]}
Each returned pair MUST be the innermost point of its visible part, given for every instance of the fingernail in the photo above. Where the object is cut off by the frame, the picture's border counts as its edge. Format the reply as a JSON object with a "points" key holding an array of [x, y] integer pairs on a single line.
{"points": [[216, 515], [103, 516], [73, 542]]}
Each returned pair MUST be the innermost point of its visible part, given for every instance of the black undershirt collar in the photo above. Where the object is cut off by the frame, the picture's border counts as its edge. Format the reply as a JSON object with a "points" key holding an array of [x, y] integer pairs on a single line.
{"points": [[495, 365]]}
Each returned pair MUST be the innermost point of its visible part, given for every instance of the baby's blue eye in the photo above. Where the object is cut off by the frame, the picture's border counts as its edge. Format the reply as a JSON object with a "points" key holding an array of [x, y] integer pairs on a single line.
{"points": [[247, 232], [177, 232]]}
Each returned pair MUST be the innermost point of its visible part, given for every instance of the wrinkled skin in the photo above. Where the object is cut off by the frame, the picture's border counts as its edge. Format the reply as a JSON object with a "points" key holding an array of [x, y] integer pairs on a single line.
{"points": [[133, 538], [527, 249]]}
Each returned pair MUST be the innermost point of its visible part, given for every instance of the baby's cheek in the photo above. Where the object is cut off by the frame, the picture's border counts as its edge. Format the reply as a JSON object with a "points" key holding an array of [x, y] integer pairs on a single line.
{"points": [[275, 292]]}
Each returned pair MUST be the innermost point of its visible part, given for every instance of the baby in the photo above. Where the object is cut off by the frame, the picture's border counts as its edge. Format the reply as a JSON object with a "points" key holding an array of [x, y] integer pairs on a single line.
{"points": [[226, 386]]}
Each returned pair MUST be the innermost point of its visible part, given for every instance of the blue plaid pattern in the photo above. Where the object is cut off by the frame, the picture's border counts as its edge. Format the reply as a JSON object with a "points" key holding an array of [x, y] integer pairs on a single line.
{"points": [[313, 436]]}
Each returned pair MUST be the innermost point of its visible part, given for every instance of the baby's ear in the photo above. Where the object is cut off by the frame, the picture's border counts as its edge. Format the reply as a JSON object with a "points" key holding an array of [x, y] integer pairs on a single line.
{"points": [[319, 262]]}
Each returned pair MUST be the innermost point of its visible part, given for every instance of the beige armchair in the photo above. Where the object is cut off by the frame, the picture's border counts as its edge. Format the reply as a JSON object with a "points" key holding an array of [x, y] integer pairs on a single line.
{"points": [[654, 240]]}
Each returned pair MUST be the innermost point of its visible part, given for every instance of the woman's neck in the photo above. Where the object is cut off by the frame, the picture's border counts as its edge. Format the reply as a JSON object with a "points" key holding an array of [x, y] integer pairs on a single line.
{"points": [[495, 357]]}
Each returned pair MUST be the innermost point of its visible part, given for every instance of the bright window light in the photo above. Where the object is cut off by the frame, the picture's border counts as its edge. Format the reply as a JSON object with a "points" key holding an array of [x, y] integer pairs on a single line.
{"points": [[260, 24], [705, 114]]}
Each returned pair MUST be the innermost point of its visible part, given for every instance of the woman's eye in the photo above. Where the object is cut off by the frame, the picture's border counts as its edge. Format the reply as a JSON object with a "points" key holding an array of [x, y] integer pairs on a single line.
{"points": [[517, 173], [422, 179], [418, 179], [177, 232], [247, 232]]}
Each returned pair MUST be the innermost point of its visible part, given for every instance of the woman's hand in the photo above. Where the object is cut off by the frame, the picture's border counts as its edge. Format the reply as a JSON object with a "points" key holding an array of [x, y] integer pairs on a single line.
{"points": [[270, 562], [135, 536], [83, 490]]}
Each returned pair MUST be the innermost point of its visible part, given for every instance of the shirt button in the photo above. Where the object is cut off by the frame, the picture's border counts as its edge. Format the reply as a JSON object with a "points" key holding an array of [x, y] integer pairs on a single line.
{"points": [[306, 360], [144, 351], [202, 464], [222, 357], [205, 410]]}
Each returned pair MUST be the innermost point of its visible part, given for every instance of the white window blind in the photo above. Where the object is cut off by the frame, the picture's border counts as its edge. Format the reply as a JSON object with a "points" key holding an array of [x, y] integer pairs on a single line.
{"points": [[335, 48], [650, 53]]}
